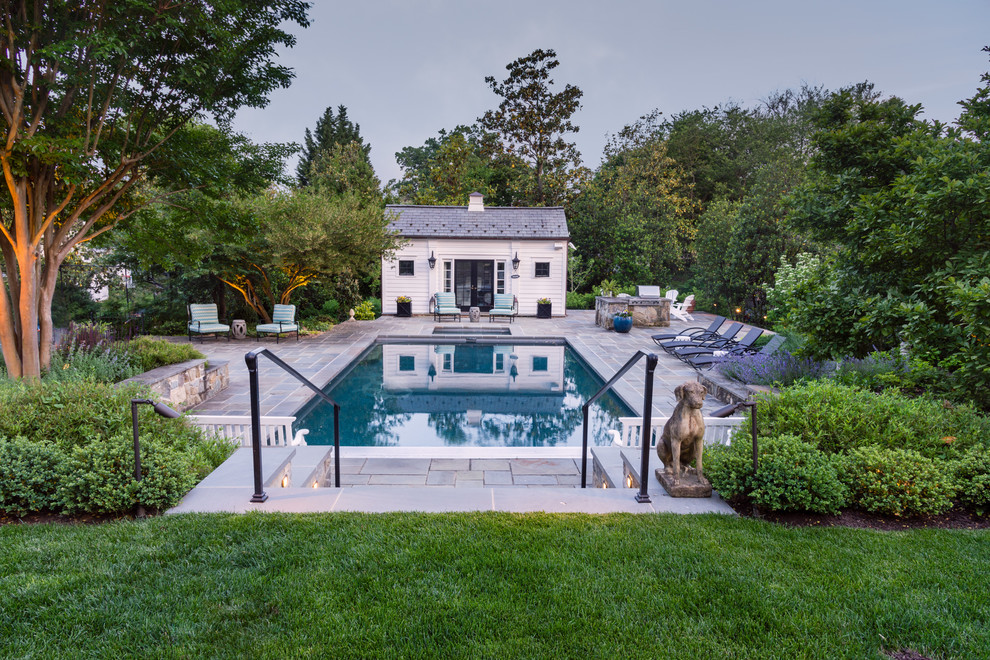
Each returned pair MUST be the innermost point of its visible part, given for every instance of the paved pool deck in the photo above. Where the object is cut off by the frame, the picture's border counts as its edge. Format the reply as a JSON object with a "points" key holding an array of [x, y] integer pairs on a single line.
{"points": [[432, 479]]}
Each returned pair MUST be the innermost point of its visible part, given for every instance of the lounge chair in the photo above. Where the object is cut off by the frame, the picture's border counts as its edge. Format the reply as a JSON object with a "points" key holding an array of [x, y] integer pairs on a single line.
{"points": [[203, 321], [721, 340], [444, 304], [283, 322], [680, 309], [700, 334], [707, 361], [744, 345], [505, 306]]}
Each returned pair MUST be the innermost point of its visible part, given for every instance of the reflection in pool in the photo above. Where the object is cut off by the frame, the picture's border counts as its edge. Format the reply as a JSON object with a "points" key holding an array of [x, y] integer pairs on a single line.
{"points": [[464, 394]]}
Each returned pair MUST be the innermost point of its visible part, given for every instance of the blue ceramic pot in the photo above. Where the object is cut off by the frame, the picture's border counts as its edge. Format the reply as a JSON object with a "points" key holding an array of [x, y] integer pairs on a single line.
{"points": [[622, 323]]}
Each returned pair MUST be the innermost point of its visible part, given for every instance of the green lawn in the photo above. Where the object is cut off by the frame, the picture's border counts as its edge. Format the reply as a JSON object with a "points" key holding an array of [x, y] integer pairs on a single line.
{"points": [[488, 586]]}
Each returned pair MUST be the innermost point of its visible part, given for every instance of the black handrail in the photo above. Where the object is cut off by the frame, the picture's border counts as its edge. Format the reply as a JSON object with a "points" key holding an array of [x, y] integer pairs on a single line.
{"points": [[251, 359], [651, 365]]}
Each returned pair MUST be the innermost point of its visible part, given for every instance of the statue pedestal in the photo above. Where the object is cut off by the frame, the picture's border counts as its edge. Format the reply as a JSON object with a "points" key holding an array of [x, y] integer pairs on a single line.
{"points": [[690, 485]]}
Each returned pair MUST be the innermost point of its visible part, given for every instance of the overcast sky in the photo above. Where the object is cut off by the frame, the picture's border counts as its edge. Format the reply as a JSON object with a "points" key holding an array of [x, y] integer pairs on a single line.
{"points": [[407, 68]]}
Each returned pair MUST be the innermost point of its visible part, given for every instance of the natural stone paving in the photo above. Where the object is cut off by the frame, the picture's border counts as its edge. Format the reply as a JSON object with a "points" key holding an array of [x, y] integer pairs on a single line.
{"points": [[322, 357], [460, 472]]}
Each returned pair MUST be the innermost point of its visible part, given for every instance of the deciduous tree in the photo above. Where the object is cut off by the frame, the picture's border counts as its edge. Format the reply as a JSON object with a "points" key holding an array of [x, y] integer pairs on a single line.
{"points": [[91, 94]]}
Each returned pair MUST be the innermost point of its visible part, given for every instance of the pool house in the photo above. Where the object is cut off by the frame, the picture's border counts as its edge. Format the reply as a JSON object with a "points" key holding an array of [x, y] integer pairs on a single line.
{"points": [[476, 252]]}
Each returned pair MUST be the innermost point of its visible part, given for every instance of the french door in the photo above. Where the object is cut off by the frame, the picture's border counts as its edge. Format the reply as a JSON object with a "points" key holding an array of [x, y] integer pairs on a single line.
{"points": [[474, 283]]}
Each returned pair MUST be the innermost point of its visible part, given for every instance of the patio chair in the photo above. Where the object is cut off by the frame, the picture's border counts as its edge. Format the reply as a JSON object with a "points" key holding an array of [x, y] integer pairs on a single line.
{"points": [[707, 361], [722, 340], [506, 306], [680, 309], [692, 333], [744, 345], [444, 304], [672, 295], [283, 322], [203, 321]]}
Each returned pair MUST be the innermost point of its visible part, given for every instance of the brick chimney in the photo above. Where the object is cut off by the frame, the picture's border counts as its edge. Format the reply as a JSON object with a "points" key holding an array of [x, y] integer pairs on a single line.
{"points": [[476, 202]]}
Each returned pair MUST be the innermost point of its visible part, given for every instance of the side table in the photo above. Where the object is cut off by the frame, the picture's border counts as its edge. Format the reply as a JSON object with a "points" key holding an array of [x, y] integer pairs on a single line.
{"points": [[238, 328], [474, 314]]}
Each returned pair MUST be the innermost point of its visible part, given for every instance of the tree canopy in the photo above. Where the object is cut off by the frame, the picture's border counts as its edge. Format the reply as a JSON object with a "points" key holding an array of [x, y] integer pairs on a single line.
{"points": [[332, 131], [91, 95], [532, 121]]}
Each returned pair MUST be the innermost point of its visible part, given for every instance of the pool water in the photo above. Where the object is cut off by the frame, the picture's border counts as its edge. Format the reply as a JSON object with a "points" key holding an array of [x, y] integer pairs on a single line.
{"points": [[464, 394]]}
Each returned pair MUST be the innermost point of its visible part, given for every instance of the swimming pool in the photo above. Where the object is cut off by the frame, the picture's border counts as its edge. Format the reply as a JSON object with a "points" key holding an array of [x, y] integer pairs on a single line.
{"points": [[466, 394]]}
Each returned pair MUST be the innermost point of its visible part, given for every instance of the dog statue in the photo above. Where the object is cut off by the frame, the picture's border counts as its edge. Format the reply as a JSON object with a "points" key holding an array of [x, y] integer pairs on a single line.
{"points": [[684, 432]]}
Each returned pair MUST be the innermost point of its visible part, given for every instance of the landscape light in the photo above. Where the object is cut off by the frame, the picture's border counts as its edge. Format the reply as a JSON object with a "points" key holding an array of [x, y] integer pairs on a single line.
{"points": [[164, 411]]}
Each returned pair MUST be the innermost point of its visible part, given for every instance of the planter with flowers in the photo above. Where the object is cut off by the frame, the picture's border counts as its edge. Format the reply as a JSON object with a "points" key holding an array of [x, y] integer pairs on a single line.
{"points": [[543, 308], [403, 306], [622, 321]]}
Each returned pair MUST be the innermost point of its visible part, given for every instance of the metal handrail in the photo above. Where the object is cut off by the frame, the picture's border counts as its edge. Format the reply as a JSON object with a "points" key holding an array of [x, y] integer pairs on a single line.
{"points": [[251, 359], [651, 365]]}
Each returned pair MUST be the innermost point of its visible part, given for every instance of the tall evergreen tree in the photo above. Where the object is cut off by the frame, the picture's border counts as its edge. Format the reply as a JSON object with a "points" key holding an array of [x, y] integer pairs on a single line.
{"points": [[532, 121], [330, 131]]}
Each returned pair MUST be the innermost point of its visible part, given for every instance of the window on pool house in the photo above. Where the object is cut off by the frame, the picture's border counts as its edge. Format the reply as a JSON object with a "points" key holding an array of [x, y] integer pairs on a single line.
{"points": [[540, 363], [448, 276], [407, 267], [543, 269], [407, 363], [499, 277]]}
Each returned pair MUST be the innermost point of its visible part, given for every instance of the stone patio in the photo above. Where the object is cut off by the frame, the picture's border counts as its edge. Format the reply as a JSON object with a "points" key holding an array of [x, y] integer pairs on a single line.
{"points": [[421, 478]]}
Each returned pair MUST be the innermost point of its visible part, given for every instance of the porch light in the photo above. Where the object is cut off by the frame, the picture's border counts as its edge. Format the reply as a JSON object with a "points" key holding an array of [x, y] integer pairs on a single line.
{"points": [[432, 260], [515, 262], [432, 373]]}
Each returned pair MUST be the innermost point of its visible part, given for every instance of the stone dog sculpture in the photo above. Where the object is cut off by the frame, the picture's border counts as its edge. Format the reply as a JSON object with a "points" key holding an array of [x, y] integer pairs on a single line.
{"points": [[683, 433]]}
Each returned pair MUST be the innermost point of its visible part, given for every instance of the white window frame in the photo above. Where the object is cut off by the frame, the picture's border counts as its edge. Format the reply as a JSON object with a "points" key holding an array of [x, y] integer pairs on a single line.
{"points": [[499, 277], [448, 275]]}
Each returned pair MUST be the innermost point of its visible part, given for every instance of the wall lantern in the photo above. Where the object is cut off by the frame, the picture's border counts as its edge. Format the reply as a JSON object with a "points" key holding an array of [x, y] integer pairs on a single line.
{"points": [[515, 262], [432, 260]]}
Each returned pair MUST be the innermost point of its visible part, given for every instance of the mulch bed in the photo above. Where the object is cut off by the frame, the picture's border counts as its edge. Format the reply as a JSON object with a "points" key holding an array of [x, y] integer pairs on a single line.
{"points": [[59, 519], [952, 519]]}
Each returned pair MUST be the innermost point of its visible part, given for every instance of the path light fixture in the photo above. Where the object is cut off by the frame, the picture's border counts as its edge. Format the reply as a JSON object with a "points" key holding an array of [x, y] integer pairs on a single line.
{"points": [[432, 260], [733, 407], [515, 262], [162, 410]]}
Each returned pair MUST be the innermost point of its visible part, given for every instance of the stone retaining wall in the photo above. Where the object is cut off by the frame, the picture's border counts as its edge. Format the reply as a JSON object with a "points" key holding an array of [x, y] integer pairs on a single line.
{"points": [[186, 384]]}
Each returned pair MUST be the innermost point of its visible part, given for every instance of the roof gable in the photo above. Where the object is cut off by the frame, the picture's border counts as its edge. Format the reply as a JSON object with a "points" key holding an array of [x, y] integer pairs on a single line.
{"points": [[494, 222]]}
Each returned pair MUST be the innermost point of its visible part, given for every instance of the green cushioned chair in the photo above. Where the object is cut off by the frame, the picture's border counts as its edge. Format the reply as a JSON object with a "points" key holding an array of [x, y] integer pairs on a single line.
{"points": [[283, 323], [203, 321], [506, 307], [445, 305]]}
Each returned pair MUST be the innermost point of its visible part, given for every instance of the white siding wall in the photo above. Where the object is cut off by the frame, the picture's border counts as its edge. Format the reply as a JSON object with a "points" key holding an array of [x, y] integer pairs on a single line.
{"points": [[527, 287]]}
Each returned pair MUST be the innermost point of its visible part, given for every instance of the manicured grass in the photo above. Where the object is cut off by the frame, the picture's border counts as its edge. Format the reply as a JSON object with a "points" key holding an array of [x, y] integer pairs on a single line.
{"points": [[488, 585]]}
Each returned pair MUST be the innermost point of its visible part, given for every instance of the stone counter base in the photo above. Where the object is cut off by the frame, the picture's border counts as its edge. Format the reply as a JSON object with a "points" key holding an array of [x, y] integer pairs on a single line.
{"points": [[646, 312]]}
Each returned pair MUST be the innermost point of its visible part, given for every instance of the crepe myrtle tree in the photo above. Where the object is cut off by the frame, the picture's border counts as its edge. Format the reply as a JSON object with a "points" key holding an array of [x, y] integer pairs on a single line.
{"points": [[92, 92]]}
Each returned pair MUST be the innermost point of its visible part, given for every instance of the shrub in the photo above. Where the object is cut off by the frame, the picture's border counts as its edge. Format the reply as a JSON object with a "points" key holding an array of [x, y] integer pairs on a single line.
{"points": [[899, 482], [153, 353], [838, 418], [68, 447], [364, 311], [877, 371], [973, 479], [107, 363], [580, 300], [29, 475], [792, 475]]}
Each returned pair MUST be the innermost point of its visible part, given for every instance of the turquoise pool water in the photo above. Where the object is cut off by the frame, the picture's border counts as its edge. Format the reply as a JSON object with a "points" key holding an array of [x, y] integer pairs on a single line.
{"points": [[464, 394]]}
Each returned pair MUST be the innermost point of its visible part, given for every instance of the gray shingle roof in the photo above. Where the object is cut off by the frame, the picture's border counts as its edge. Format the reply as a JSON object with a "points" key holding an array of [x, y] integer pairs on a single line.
{"points": [[493, 222]]}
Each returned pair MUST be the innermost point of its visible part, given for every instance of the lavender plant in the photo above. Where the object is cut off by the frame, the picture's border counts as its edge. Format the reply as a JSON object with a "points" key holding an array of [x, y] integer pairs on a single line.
{"points": [[780, 369]]}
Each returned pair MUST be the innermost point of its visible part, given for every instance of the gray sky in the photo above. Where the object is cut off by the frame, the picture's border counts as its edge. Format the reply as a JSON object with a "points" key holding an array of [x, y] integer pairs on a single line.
{"points": [[407, 68]]}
